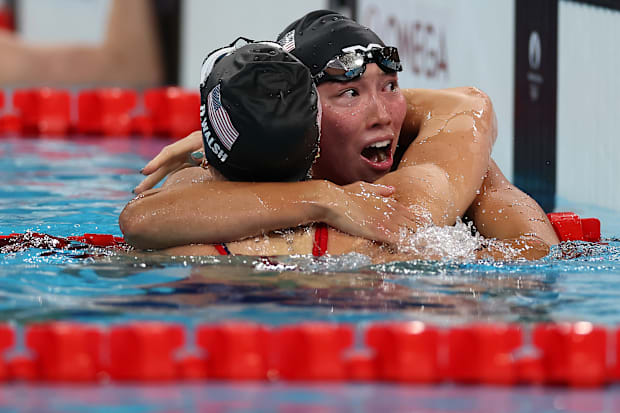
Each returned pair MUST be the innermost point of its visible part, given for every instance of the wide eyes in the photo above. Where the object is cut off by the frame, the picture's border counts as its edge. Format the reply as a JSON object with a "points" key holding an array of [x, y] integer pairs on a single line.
{"points": [[349, 93]]}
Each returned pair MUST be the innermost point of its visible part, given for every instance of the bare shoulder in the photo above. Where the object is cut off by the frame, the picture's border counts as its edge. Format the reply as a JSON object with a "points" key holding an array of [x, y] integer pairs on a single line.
{"points": [[449, 99]]}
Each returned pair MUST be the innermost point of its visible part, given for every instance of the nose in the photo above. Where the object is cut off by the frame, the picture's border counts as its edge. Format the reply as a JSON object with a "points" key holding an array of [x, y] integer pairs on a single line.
{"points": [[378, 114]]}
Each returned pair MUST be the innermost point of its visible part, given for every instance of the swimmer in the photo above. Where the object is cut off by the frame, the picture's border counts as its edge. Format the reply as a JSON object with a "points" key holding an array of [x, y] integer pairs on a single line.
{"points": [[443, 174], [132, 52]]}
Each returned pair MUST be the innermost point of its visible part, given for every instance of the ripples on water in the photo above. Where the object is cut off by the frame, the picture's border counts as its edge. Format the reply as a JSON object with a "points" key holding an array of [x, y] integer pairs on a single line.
{"points": [[576, 281], [68, 188]]}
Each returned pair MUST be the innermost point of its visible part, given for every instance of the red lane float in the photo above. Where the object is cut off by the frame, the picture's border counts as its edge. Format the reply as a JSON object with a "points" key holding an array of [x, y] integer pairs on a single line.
{"points": [[7, 340], [66, 351], [106, 111], [44, 111], [235, 350], [167, 111], [174, 111], [567, 354], [569, 227], [6, 19], [405, 352], [312, 351], [144, 351]]}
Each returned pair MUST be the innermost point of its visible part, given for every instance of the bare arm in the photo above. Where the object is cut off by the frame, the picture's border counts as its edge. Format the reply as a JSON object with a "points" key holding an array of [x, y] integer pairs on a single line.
{"points": [[129, 55], [503, 211], [456, 126], [443, 168], [192, 211]]}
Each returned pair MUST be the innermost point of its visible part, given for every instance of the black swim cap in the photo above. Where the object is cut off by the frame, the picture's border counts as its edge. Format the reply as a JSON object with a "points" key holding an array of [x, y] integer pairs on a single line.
{"points": [[260, 113], [319, 36]]}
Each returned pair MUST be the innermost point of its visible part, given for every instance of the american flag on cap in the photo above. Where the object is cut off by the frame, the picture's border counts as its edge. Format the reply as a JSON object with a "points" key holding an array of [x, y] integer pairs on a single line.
{"points": [[288, 41], [220, 120]]}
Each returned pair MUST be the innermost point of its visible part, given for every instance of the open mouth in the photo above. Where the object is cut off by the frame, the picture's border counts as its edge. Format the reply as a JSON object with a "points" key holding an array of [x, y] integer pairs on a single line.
{"points": [[378, 152]]}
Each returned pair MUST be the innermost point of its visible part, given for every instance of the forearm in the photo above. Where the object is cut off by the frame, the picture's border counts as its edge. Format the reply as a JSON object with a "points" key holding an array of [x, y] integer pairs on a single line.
{"points": [[503, 211], [455, 131], [219, 212], [128, 56], [421, 189]]}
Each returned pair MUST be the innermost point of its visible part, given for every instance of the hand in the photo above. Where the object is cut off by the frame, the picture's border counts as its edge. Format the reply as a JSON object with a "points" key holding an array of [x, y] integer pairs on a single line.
{"points": [[178, 155], [524, 247], [366, 210]]}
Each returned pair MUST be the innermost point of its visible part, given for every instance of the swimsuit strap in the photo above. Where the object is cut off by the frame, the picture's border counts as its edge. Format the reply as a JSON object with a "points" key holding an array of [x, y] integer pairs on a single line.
{"points": [[222, 249], [319, 246]]}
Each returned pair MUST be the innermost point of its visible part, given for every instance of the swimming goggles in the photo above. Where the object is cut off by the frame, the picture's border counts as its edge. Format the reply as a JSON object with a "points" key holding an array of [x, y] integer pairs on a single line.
{"points": [[352, 64]]}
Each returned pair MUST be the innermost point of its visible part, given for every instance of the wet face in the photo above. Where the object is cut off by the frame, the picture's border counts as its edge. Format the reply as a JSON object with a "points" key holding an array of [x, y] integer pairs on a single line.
{"points": [[360, 127]]}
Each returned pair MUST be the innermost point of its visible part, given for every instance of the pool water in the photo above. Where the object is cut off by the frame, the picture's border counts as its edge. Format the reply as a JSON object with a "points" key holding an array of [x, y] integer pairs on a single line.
{"points": [[77, 186], [65, 187]]}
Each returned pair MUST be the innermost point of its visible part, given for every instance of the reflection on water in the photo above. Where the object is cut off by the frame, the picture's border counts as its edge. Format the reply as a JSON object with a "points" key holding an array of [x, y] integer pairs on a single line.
{"points": [[578, 281], [77, 186]]}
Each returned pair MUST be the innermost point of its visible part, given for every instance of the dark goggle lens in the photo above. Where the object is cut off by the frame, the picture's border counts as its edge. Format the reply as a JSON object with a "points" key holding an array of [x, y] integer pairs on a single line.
{"points": [[351, 65], [343, 74], [389, 59]]}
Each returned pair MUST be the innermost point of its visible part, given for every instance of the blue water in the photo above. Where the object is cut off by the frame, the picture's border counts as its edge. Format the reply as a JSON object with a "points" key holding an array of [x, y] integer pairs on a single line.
{"points": [[80, 185]]}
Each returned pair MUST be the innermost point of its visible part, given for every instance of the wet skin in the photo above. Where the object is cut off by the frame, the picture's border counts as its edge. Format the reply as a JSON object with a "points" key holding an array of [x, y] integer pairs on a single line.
{"points": [[358, 114]]}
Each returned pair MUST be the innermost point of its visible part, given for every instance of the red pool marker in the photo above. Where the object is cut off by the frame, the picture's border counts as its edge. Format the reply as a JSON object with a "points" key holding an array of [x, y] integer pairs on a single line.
{"points": [[405, 352], [97, 240], [236, 350], [43, 111], [175, 111], [106, 111], [145, 351], [23, 368], [191, 367], [7, 339], [573, 354], [360, 366], [312, 351], [11, 124], [483, 353], [591, 228], [66, 351], [142, 125], [6, 19], [570, 227]]}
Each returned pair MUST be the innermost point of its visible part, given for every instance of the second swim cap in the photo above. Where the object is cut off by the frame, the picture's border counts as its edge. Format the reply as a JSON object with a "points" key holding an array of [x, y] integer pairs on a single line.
{"points": [[260, 113], [320, 35]]}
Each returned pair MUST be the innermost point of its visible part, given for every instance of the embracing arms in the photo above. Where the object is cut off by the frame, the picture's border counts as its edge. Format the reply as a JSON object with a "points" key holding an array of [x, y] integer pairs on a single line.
{"points": [[443, 168], [458, 123], [219, 211]]}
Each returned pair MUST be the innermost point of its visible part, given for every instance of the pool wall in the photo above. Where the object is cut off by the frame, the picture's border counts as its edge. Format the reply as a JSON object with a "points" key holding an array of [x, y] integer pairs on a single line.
{"points": [[550, 68]]}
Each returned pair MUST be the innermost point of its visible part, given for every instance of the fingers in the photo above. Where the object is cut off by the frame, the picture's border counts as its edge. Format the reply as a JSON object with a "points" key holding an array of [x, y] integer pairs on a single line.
{"points": [[177, 151], [150, 181], [160, 159]]}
